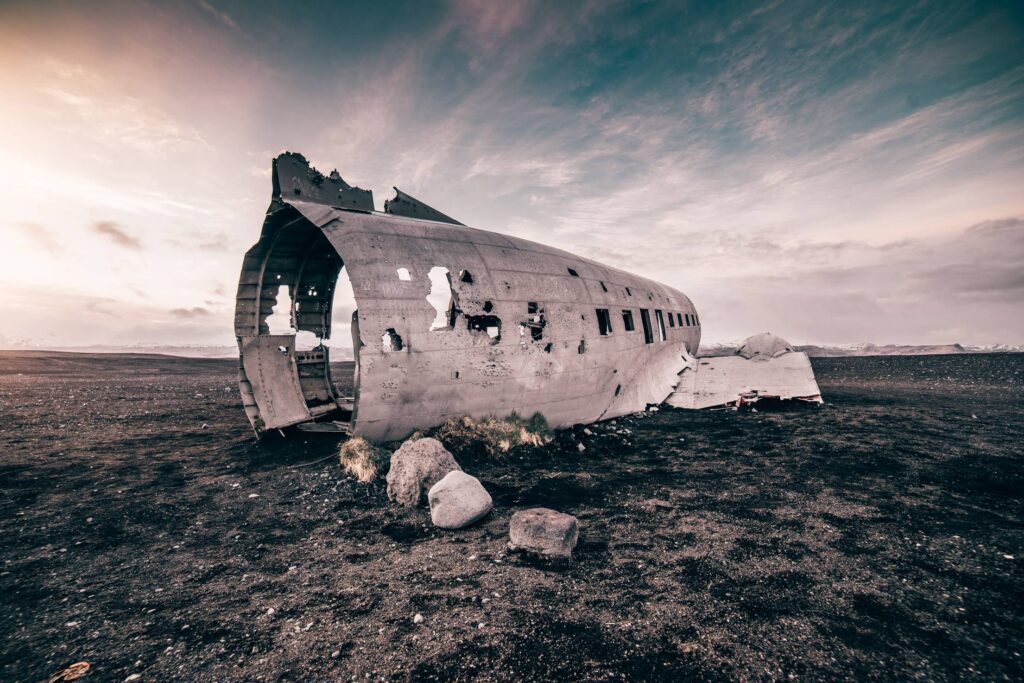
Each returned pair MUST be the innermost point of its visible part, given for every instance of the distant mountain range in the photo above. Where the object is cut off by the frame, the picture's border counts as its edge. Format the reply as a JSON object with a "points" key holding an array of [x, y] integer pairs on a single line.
{"points": [[867, 349], [345, 353]]}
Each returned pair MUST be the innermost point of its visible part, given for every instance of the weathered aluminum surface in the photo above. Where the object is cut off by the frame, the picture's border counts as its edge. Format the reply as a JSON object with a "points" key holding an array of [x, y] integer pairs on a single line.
{"points": [[729, 380], [520, 334]]}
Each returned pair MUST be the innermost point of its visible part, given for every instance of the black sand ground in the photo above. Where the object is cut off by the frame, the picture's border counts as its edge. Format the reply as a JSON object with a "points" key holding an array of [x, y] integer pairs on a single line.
{"points": [[870, 538]]}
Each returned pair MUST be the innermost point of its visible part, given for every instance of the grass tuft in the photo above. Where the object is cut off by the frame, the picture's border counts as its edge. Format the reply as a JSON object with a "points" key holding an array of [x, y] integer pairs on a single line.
{"points": [[493, 436], [362, 459]]}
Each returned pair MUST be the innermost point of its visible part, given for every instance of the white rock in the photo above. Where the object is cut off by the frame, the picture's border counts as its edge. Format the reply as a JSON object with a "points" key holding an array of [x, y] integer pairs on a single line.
{"points": [[458, 500], [133, 677], [417, 466], [418, 619], [581, 447], [544, 532]]}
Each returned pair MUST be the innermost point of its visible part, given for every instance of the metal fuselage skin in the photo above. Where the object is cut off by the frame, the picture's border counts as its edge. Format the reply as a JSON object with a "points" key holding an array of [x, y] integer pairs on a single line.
{"points": [[527, 328]]}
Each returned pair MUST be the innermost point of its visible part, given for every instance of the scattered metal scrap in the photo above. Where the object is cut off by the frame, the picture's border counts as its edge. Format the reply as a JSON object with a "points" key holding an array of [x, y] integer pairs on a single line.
{"points": [[764, 367], [439, 305]]}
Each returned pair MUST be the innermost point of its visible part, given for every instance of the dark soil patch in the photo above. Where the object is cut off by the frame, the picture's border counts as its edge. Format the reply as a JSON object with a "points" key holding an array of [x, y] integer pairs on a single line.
{"points": [[866, 539]]}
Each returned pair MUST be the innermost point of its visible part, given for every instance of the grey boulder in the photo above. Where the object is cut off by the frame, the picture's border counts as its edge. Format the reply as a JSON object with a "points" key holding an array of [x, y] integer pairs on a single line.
{"points": [[458, 500], [544, 532], [417, 466]]}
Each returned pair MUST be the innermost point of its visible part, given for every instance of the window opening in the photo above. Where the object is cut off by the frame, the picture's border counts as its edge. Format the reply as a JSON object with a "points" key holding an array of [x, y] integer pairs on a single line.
{"points": [[671, 319], [491, 324], [602, 286], [604, 322], [280, 319], [392, 341], [645, 319], [661, 325], [535, 320], [573, 272], [627, 321], [442, 298], [403, 274]]}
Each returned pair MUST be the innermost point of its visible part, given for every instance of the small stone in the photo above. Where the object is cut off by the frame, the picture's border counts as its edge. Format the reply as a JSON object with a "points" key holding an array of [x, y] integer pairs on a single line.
{"points": [[335, 654], [587, 431], [133, 677], [205, 426], [544, 532], [418, 619], [254, 495], [1007, 557], [271, 611], [458, 500], [581, 447]]}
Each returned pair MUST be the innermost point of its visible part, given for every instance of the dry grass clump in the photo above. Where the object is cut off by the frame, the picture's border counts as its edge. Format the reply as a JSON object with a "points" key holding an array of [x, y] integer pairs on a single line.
{"points": [[362, 459], [494, 436]]}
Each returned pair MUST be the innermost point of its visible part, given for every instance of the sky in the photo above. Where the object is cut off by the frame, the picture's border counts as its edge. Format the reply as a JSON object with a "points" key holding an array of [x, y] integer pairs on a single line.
{"points": [[832, 172]]}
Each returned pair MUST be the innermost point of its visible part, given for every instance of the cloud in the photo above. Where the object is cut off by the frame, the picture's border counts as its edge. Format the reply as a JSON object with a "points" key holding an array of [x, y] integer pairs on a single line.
{"points": [[203, 242], [222, 17], [926, 290], [194, 312], [119, 236], [41, 236], [112, 118]]}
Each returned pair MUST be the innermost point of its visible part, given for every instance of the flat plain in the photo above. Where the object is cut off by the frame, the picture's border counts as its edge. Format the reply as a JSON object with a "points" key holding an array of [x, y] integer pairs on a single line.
{"points": [[880, 536]]}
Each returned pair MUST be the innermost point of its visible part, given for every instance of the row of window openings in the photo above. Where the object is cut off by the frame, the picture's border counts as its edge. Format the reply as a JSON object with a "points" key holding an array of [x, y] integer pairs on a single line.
{"points": [[604, 322], [628, 293]]}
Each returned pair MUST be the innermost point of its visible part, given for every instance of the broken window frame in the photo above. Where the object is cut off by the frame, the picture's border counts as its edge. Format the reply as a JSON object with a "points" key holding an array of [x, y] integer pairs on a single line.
{"points": [[535, 321], [645, 319]]}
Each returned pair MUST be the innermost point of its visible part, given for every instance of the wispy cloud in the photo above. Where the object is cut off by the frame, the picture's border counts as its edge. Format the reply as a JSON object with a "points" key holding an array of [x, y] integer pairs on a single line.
{"points": [[194, 312], [778, 164], [222, 17], [41, 236], [117, 234]]}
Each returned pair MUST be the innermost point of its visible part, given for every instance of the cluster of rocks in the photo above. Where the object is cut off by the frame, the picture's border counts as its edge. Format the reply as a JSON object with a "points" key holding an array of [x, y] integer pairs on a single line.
{"points": [[424, 469]]}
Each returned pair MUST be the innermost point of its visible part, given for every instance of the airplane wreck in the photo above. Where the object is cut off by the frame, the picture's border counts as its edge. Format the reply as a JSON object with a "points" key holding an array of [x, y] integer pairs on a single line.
{"points": [[452, 321]]}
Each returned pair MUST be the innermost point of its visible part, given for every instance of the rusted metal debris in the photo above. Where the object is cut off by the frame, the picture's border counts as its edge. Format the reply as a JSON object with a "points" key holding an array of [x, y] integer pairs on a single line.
{"points": [[451, 320]]}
